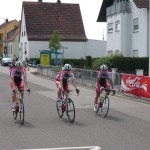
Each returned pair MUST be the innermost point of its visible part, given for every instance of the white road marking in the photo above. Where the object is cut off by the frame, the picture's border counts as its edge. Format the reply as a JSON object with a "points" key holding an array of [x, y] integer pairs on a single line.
{"points": [[69, 148]]}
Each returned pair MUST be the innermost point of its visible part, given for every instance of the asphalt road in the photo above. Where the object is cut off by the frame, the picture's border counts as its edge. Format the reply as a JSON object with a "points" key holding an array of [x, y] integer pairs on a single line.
{"points": [[127, 126]]}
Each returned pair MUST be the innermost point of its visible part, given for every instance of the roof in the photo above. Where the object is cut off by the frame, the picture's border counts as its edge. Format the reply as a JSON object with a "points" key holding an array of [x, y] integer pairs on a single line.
{"points": [[142, 3], [102, 13], [5, 24], [42, 18], [11, 35], [107, 3]]}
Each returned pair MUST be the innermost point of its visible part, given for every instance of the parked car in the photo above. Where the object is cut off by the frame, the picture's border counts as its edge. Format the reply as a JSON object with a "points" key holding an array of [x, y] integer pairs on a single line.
{"points": [[6, 61]]}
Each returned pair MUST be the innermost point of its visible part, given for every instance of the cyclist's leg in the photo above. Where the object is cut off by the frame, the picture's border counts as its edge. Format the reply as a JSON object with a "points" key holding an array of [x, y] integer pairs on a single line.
{"points": [[13, 96], [59, 89], [21, 87], [97, 93], [107, 86], [13, 93]]}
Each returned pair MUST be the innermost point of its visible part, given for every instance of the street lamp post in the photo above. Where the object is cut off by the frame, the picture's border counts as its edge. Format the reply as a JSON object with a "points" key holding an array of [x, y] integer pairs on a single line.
{"points": [[4, 47]]}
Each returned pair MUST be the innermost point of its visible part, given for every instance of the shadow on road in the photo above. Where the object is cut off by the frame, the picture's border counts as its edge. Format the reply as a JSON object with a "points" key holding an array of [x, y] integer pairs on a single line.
{"points": [[25, 125], [75, 123]]}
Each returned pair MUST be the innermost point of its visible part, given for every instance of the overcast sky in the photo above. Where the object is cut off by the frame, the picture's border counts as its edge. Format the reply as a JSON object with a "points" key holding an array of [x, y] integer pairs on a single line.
{"points": [[11, 9]]}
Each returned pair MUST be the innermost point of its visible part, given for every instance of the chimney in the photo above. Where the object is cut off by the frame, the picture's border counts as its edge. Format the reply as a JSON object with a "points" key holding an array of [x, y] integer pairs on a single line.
{"points": [[58, 1], [39, 0]]}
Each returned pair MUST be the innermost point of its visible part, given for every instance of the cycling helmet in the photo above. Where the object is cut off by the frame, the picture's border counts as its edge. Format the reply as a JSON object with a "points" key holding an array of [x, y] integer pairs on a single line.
{"points": [[18, 64], [103, 67], [67, 67]]}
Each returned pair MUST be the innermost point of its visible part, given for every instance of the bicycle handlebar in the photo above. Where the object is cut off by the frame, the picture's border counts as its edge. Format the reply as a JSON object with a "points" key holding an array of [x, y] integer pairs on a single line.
{"points": [[20, 90], [110, 90]]}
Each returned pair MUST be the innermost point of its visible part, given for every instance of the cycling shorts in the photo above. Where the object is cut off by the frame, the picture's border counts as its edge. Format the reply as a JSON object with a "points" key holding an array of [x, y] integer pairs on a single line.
{"points": [[64, 86], [19, 85], [98, 87]]}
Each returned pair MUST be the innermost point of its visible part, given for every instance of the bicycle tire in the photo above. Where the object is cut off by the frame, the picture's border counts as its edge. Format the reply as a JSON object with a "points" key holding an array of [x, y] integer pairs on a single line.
{"points": [[60, 110], [70, 112], [105, 107], [15, 114], [22, 113]]}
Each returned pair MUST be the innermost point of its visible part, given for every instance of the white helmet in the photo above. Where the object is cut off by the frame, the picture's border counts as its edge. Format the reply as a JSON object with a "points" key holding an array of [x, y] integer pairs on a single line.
{"points": [[67, 67], [18, 64], [103, 67]]}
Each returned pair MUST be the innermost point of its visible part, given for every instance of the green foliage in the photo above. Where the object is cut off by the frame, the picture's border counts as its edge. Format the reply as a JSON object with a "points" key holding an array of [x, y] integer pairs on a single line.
{"points": [[75, 62], [124, 64], [54, 42], [112, 61], [88, 61]]}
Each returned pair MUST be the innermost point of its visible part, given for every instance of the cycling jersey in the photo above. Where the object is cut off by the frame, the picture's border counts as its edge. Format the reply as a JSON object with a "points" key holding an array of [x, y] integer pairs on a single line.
{"points": [[64, 77], [17, 75], [103, 78]]}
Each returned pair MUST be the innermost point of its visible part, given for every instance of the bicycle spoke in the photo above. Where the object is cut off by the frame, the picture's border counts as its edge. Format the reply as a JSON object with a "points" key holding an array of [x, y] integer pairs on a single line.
{"points": [[21, 112], [70, 110], [60, 110], [105, 107]]}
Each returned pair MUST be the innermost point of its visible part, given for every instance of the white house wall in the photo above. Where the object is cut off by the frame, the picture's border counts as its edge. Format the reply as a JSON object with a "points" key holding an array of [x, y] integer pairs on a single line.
{"points": [[95, 48], [126, 40], [139, 39]]}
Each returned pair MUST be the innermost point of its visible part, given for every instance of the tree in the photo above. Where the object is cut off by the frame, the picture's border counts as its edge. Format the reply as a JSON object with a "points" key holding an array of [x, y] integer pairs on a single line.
{"points": [[54, 42]]}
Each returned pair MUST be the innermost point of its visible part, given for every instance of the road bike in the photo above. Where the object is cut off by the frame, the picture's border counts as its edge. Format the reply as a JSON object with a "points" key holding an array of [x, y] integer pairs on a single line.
{"points": [[19, 106], [67, 105], [104, 102]]}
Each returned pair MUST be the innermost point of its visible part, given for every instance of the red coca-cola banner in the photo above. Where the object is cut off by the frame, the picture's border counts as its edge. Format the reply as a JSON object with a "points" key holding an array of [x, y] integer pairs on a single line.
{"points": [[136, 85]]}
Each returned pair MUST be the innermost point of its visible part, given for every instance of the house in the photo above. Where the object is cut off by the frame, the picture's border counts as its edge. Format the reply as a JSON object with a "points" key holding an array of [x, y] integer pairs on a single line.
{"points": [[13, 42], [4, 29], [127, 26], [39, 19]]}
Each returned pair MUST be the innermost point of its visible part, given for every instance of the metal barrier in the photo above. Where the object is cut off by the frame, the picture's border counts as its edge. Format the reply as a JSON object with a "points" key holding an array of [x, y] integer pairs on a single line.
{"points": [[83, 77]]}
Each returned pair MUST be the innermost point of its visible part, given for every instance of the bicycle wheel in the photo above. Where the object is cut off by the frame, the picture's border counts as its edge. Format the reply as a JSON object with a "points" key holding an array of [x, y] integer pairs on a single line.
{"points": [[15, 113], [70, 110], [105, 107], [21, 112], [60, 110]]}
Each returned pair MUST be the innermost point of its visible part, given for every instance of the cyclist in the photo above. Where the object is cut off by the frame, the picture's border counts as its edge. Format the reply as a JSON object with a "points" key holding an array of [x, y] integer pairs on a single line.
{"points": [[62, 80], [16, 75], [102, 76]]}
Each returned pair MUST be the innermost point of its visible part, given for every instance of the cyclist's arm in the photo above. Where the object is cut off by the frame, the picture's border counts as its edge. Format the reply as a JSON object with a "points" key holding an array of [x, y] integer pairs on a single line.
{"points": [[25, 81], [97, 81], [111, 83], [74, 83]]}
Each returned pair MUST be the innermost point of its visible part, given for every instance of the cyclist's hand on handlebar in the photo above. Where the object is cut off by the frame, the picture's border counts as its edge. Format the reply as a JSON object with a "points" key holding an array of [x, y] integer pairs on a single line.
{"points": [[77, 91], [28, 90]]}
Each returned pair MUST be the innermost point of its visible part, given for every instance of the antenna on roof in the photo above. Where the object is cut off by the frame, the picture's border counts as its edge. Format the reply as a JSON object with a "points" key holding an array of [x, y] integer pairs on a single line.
{"points": [[58, 1]]}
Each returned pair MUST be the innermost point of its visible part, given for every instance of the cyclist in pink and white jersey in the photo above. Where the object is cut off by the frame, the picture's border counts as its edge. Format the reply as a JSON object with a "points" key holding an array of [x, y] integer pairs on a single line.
{"points": [[16, 75], [102, 77], [62, 80]]}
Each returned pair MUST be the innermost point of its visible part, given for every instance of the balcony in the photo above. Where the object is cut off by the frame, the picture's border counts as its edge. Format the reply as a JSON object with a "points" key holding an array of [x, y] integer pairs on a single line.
{"points": [[119, 7]]}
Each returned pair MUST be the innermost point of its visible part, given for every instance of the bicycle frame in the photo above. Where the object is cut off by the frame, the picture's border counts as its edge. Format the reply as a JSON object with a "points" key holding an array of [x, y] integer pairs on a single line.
{"points": [[19, 105], [67, 106], [103, 105]]}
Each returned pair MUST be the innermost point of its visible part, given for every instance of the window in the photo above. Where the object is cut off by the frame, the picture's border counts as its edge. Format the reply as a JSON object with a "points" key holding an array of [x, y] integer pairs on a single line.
{"points": [[136, 25], [110, 52], [22, 31], [117, 26], [110, 27], [25, 48], [135, 53], [116, 52]]}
